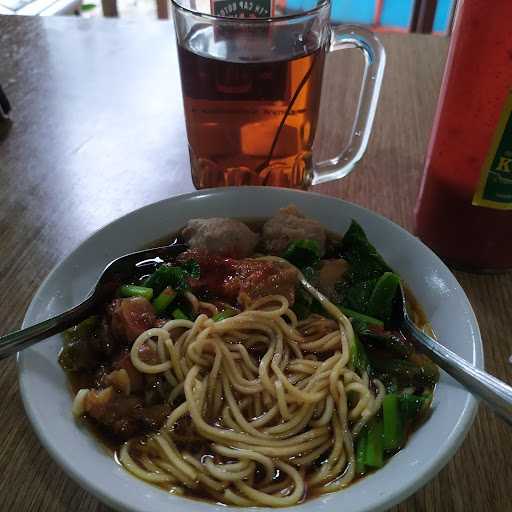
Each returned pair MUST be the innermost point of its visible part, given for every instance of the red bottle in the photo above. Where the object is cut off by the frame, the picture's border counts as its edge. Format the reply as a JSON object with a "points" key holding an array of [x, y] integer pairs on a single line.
{"points": [[464, 211]]}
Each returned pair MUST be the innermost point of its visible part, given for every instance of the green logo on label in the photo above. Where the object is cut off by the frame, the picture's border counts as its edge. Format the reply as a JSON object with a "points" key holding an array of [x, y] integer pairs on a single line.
{"points": [[495, 187]]}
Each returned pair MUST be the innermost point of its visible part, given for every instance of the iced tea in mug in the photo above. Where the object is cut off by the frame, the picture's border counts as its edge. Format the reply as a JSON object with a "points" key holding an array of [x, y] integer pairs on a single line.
{"points": [[251, 78]]}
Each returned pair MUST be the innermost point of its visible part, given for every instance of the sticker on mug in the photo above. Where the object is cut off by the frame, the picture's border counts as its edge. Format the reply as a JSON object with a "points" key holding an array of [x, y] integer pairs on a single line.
{"points": [[242, 8]]}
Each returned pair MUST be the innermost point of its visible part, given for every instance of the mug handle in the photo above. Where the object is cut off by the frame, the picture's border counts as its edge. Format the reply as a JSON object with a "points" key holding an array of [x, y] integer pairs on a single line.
{"points": [[351, 36]]}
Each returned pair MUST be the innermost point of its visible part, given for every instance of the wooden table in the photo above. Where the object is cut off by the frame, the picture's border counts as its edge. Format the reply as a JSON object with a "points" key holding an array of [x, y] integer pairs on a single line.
{"points": [[98, 131]]}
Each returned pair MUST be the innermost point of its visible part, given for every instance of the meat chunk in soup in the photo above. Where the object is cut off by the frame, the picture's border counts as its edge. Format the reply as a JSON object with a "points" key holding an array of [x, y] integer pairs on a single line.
{"points": [[228, 279], [228, 237], [130, 318], [121, 415], [124, 362], [289, 225], [276, 279]]}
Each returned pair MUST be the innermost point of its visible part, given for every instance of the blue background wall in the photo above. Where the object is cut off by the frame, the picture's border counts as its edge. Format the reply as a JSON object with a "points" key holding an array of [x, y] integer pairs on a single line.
{"points": [[395, 13]]}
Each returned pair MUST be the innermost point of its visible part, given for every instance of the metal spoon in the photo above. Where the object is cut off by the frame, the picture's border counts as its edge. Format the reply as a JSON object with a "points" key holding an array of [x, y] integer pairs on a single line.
{"points": [[114, 274], [494, 392]]}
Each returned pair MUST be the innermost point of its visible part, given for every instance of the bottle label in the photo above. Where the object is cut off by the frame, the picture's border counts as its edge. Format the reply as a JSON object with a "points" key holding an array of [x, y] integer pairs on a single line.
{"points": [[495, 185], [243, 8]]}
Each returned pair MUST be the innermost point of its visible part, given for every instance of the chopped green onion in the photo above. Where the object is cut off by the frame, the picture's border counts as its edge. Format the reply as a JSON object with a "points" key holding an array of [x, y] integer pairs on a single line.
{"points": [[178, 314], [132, 290], [374, 456], [362, 442], [159, 279], [175, 276], [166, 296], [227, 313], [192, 268], [354, 315], [392, 423]]}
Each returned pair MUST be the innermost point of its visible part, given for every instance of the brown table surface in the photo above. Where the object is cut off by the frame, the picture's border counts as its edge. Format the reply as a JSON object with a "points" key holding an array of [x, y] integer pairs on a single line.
{"points": [[98, 131]]}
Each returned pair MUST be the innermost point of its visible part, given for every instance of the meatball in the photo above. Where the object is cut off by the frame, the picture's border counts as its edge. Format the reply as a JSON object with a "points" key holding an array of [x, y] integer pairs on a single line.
{"points": [[290, 225], [228, 237]]}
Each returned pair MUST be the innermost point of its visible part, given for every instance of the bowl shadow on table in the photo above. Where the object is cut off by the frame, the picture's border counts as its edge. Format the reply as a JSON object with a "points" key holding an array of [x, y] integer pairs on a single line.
{"points": [[5, 128]]}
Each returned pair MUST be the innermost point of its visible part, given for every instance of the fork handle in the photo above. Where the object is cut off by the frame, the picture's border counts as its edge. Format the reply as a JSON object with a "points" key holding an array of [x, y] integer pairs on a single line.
{"points": [[19, 340], [494, 392]]}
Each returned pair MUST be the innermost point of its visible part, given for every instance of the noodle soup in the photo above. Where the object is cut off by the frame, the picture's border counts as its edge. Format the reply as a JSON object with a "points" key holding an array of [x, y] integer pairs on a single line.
{"points": [[261, 367]]}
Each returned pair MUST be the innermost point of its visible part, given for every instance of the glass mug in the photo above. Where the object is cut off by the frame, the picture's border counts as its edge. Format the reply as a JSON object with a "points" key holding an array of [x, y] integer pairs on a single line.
{"points": [[251, 90]]}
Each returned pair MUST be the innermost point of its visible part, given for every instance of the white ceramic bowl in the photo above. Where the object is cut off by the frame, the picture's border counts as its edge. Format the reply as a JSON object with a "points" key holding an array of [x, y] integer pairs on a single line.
{"points": [[48, 401]]}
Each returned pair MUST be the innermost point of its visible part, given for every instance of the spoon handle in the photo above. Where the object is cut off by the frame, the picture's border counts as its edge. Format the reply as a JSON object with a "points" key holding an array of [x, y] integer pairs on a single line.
{"points": [[496, 393], [19, 340]]}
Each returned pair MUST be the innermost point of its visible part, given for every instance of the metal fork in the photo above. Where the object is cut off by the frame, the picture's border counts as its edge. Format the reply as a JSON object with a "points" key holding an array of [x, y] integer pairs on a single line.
{"points": [[114, 274]]}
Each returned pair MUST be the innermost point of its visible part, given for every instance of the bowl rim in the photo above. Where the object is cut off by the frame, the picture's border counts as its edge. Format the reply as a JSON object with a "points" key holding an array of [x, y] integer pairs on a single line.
{"points": [[457, 434]]}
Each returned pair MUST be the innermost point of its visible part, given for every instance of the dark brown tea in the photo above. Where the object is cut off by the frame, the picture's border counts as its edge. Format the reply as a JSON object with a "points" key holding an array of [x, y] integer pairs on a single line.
{"points": [[251, 123]]}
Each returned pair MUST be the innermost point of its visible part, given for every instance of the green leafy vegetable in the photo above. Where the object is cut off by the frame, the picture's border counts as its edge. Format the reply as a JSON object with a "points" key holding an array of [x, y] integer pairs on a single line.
{"points": [[82, 345], [303, 302], [365, 262], [392, 423], [407, 372], [390, 383], [412, 406], [372, 333], [383, 295], [374, 455], [358, 356], [175, 276], [192, 268], [365, 319], [159, 279], [222, 315], [390, 341], [164, 299], [182, 304], [178, 278], [132, 290], [303, 253], [366, 267], [178, 314], [356, 295], [361, 444]]}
